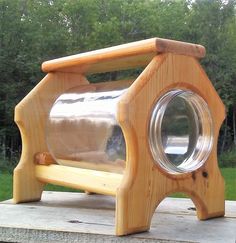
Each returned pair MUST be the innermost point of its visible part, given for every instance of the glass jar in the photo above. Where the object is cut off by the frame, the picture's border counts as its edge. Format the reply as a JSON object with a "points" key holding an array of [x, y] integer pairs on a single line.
{"points": [[82, 131]]}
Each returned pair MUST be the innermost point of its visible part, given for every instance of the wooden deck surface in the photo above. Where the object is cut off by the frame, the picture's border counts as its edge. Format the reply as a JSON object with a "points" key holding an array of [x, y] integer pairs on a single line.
{"points": [[77, 217]]}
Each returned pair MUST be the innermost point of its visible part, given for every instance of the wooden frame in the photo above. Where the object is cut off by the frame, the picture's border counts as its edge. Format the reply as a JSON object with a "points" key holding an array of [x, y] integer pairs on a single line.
{"points": [[144, 184]]}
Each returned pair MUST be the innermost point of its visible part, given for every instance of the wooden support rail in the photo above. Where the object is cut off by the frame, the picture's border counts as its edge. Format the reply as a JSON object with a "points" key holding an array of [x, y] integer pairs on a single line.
{"points": [[126, 56], [84, 179]]}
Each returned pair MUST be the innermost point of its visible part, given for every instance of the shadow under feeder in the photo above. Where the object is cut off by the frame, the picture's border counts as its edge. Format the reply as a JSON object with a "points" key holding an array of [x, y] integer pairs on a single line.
{"points": [[138, 140]]}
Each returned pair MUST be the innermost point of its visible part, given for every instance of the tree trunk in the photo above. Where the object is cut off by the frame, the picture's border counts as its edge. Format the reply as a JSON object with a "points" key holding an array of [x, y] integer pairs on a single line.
{"points": [[234, 124], [224, 135]]}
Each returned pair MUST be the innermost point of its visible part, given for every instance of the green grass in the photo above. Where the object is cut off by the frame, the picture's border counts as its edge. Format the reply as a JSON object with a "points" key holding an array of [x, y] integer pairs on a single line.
{"points": [[6, 185], [51, 187], [230, 181], [228, 159]]}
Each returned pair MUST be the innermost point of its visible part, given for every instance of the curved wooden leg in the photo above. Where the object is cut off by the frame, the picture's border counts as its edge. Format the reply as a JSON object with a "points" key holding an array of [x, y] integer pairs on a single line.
{"points": [[135, 206], [26, 187], [133, 215], [210, 202]]}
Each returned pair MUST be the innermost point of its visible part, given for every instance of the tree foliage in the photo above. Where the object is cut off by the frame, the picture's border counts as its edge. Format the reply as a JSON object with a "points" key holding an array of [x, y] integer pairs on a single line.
{"points": [[32, 31]]}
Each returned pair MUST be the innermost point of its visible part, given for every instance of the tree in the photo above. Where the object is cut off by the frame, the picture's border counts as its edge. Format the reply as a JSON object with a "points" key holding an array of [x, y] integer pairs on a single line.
{"points": [[32, 31]]}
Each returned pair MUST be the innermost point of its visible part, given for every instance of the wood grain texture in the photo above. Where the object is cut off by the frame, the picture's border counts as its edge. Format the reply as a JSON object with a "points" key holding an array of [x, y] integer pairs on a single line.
{"points": [[30, 116], [118, 166], [44, 158], [90, 180], [76, 217], [145, 183], [126, 56]]}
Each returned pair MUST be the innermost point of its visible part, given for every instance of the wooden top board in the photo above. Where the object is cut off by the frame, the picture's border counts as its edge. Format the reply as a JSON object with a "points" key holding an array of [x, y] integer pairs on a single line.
{"points": [[126, 56], [77, 217]]}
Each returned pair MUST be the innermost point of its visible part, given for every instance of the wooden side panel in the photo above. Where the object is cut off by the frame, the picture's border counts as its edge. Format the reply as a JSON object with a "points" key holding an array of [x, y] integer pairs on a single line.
{"points": [[30, 115], [145, 183], [113, 85]]}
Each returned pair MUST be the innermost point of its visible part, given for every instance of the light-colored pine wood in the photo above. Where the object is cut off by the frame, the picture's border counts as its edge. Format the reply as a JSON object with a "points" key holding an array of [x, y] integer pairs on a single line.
{"points": [[113, 85], [102, 86], [117, 166], [89, 180], [44, 158], [30, 116], [144, 183], [126, 56]]}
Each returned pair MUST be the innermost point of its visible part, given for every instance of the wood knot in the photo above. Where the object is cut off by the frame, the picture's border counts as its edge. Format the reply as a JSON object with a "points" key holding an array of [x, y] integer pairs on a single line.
{"points": [[205, 174]]}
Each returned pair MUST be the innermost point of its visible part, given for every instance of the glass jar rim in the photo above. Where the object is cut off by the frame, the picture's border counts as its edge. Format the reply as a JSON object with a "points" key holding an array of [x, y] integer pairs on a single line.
{"points": [[203, 125]]}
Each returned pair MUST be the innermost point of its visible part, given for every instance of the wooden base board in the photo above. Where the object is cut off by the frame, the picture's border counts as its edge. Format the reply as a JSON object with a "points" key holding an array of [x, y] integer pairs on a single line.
{"points": [[77, 217]]}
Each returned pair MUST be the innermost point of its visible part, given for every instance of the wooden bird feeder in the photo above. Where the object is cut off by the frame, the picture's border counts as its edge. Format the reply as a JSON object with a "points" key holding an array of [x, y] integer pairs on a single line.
{"points": [[138, 140]]}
